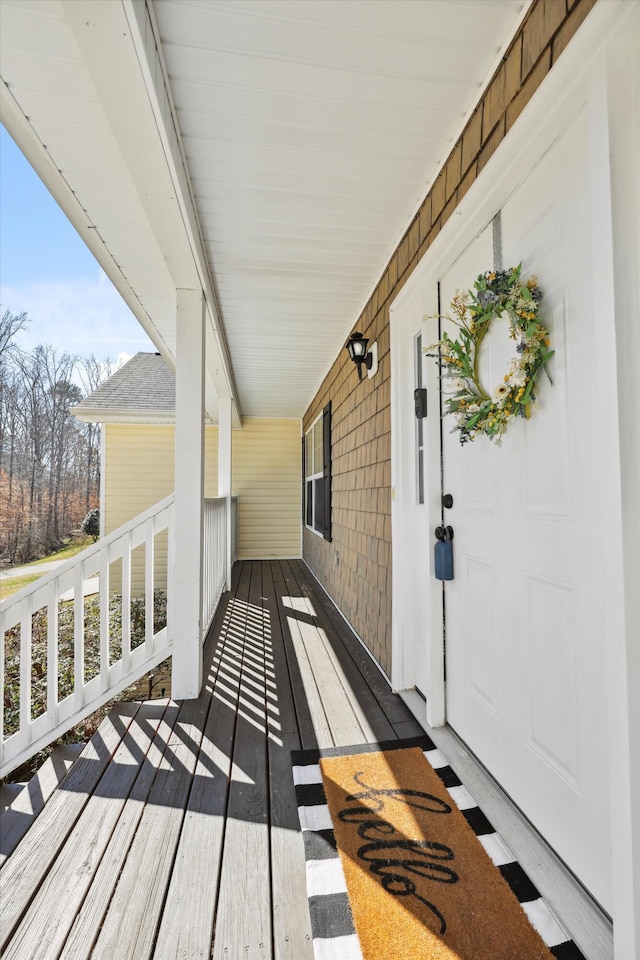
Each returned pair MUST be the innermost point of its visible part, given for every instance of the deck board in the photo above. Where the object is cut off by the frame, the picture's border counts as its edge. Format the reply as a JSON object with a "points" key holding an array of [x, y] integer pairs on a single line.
{"points": [[188, 916], [26, 869], [361, 701], [27, 803], [391, 705], [243, 921], [129, 928], [176, 833], [91, 914], [52, 911], [291, 925], [307, 696]]}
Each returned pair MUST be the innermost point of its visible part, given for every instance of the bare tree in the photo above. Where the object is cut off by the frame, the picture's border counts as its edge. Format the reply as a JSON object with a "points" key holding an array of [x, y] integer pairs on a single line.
{"points": [[58, 394], [92, 372], [49, 460], [10, 325]]}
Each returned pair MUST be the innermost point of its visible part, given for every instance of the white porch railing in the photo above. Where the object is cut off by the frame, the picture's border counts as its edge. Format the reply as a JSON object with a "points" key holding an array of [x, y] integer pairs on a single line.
{"points": [[114, 669], [234, 529], [214, 560]]}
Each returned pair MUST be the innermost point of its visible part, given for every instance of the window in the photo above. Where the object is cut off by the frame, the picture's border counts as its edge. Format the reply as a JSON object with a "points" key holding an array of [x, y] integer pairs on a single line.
{"points": [[316, 460]]}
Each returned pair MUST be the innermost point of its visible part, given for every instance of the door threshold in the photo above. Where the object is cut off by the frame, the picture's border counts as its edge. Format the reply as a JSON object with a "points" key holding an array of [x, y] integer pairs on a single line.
{"points": [[588, 924]]}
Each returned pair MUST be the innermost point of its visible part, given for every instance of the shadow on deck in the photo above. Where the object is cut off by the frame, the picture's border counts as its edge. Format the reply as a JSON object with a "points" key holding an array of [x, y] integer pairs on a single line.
{"points": [[176, 834]]}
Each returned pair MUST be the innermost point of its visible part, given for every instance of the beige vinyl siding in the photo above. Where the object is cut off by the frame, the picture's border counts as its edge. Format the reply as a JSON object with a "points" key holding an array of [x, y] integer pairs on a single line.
{"points": [[267, 479], [139, 473], [139, 467]]}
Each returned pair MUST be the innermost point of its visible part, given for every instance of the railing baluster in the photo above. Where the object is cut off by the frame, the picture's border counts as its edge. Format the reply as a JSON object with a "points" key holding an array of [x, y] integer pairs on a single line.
{"points": [[222, 539], [3, 641], [206, 572], [210, 556], [234, 529], [214, 560], [149, 577], [25, 672], [52, 653], [126, 602], [104, 618], [78, 636]]}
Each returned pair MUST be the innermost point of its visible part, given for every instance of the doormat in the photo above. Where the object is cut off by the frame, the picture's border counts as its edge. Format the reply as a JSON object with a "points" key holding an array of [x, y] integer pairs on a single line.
{"points": [[402, 863]]}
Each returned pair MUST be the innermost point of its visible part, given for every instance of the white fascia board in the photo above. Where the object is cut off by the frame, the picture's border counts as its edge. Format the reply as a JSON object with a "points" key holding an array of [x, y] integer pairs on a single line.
{"points": [[118, 415], [148, 48], [102, 34], [29, 143], [119, 49]]}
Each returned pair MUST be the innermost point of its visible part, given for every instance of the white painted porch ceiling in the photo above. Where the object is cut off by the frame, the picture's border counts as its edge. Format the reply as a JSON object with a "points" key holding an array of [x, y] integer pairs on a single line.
{"points": [[311, 129]]}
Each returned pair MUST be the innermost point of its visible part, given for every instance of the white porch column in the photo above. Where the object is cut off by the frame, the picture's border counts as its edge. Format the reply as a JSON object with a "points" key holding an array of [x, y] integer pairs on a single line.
{"points": [[185, 606], [224, 472]]}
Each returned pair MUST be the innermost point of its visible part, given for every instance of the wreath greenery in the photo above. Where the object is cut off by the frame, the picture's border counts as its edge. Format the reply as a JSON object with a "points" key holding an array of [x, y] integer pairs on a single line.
{"points": [[499, 293]]}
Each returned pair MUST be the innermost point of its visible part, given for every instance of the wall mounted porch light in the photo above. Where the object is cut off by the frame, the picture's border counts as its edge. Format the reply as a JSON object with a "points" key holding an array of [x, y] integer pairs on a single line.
{"points": [[357, 349]]}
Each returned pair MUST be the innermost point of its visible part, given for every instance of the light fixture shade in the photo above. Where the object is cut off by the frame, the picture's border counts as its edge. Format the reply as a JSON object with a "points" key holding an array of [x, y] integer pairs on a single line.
{"points": [[357, 347]]}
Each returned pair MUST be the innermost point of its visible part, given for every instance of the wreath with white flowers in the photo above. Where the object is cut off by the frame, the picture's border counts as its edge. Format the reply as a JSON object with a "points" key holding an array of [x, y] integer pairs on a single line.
{"points": [[498, 293]]}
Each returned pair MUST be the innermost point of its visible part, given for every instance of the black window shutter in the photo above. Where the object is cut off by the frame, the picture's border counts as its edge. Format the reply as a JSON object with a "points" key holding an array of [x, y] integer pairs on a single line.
{"points": [[326, 469], [304, 485]]}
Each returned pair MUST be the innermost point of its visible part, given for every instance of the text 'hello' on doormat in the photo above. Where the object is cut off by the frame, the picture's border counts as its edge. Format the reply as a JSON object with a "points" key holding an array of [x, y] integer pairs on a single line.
{"points": [[401, 863]]}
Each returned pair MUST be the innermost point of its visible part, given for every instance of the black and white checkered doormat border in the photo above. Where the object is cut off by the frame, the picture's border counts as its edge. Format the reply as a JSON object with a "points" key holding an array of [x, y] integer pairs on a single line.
{"points": [[333, 931]]}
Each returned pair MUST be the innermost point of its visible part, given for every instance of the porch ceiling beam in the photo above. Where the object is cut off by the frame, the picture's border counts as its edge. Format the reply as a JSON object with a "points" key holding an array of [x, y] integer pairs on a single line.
{"points": [[118, 46]]}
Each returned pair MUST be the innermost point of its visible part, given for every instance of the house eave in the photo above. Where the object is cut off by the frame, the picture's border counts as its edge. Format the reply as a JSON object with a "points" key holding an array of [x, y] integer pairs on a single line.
{"points": [[115, 415]]}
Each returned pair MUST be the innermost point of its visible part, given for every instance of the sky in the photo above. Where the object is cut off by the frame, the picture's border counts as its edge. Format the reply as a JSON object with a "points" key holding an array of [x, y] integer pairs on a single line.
{"points": [[47, 270]]}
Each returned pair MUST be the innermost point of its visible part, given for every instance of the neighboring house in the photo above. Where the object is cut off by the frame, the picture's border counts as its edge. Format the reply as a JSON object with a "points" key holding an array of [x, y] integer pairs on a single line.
{"points": [[173, 164], [136, 410]]}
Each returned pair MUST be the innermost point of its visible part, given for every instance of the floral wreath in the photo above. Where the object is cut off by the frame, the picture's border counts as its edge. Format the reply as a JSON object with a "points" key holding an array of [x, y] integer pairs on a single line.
{"points": [[501, 294]]}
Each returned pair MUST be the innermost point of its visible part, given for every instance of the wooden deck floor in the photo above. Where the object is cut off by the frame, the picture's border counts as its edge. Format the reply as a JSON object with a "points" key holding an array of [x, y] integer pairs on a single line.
{"points": [[175, 834]]}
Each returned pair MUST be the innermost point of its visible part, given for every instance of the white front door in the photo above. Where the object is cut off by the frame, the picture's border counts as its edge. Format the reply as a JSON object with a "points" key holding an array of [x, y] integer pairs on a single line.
{"points": [[526, 615]]}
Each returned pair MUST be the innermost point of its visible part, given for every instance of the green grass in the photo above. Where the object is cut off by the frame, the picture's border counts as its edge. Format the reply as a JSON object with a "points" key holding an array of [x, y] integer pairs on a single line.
{"points": [[69, 550], [9, 587], [13, 584]]}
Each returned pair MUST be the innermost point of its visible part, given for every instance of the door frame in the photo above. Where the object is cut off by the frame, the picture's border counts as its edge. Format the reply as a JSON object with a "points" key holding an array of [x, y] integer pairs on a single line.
{"points": [[587, 77]]}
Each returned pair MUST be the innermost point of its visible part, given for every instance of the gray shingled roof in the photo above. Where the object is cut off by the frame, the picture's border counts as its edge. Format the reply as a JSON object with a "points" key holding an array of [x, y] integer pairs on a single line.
{"points": [[143, 388]]}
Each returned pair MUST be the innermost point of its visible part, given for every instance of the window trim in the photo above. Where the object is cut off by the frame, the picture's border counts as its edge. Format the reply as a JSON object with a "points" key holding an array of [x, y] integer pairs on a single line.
{"points": [[311, 488]]}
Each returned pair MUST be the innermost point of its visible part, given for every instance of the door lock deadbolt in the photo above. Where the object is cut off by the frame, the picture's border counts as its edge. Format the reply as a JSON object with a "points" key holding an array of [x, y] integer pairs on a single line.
{"points": [[444, 533]]}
